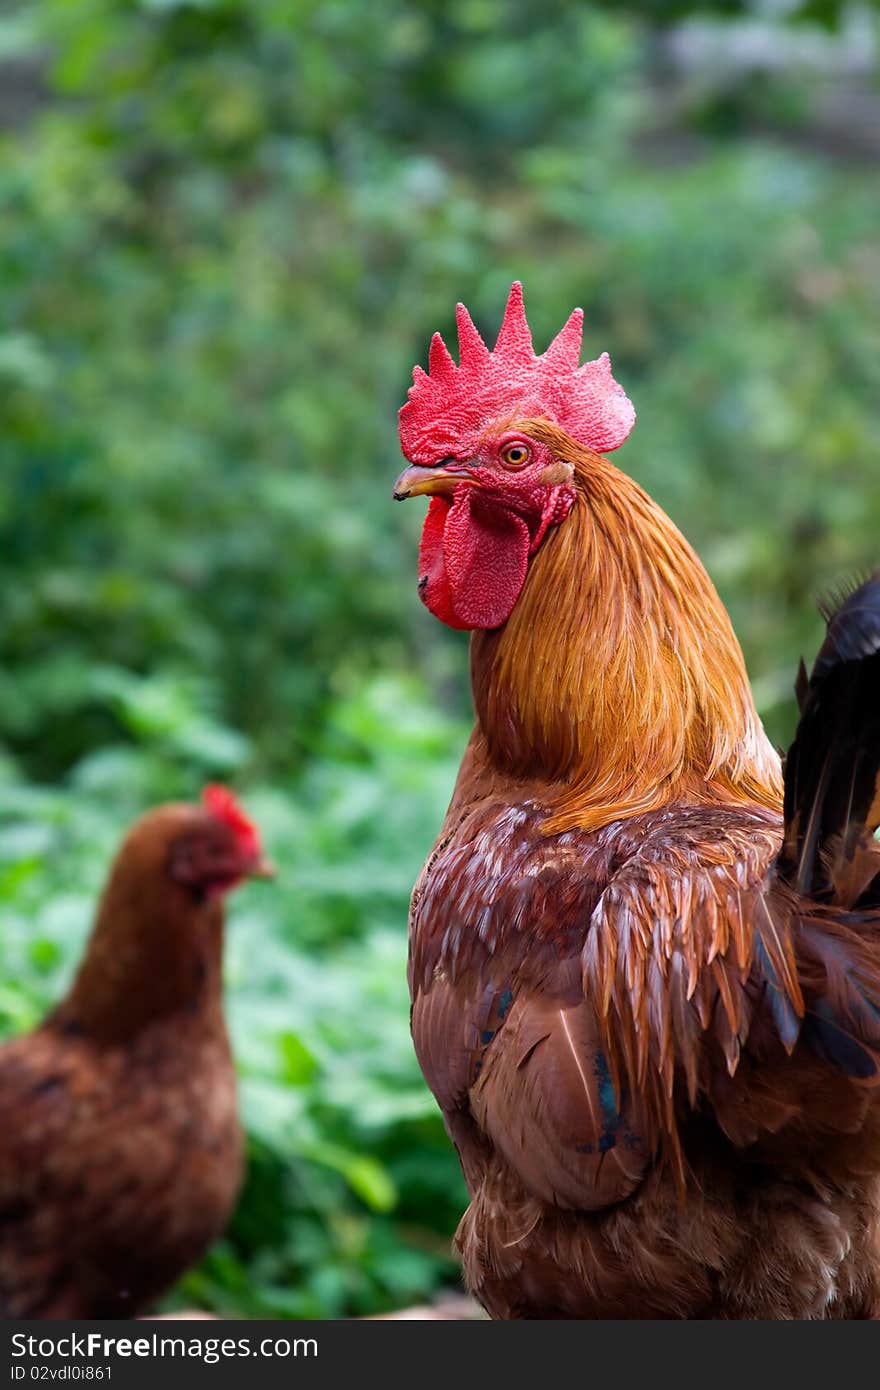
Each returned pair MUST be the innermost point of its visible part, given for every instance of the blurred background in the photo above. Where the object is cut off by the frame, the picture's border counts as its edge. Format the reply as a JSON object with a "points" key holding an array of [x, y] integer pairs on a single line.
{"points": [[227, 229]]}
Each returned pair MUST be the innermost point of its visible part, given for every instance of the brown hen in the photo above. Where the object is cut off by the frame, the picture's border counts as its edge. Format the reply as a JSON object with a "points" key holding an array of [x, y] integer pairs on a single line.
{"points": [[121, 1150]]}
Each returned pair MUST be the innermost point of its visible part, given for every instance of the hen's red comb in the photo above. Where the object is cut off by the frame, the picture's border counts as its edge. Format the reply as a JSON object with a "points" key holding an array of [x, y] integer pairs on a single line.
{"points": [[449, 406], [220, 802]]}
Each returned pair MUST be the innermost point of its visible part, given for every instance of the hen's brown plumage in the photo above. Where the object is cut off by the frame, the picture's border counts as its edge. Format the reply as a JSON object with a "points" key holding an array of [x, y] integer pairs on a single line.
{"points": [[655, 1042], [121, 1151]]}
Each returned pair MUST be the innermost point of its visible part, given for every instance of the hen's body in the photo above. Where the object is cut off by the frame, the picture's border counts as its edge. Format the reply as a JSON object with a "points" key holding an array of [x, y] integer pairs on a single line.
{"points": [[119, 1168]]}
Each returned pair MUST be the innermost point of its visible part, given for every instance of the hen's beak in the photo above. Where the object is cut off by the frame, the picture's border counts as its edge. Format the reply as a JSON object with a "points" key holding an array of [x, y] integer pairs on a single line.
{"points": [[433, 482], [262, 868]]}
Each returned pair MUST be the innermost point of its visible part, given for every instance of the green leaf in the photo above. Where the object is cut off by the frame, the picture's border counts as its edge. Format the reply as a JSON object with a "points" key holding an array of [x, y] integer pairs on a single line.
{"points": [[365, 1175], [298, 1063]]}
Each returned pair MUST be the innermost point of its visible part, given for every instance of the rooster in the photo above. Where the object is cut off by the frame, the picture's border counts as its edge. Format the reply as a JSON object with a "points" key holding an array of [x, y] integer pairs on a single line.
{"points": [[645, 973], [121, 1151]]}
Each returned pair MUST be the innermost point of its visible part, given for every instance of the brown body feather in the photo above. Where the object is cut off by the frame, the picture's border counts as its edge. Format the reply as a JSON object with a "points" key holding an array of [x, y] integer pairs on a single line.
{"points": [[657, 1058]]}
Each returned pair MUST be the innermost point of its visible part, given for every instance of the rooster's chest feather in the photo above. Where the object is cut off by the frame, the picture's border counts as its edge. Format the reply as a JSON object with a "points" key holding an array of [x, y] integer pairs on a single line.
{"points": [[497, 890]]}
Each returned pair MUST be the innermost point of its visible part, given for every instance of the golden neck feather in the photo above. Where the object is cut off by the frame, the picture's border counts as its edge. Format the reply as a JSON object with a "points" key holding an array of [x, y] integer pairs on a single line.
{"points": [[618, 680]]}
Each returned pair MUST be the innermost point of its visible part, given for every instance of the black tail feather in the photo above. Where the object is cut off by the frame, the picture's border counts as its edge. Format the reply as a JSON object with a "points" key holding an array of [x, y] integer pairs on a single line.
{"points": [[832, 806], [842, 1023]]}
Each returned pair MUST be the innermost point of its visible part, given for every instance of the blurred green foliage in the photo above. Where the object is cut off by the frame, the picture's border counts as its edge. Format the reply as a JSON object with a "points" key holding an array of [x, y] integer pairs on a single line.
{"points": [[226, 231]]}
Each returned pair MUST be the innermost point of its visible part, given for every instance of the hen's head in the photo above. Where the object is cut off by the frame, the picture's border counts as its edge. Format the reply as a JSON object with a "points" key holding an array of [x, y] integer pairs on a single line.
{"points": [[487, 442], [156, 944], [207, 847], [216, 846]]}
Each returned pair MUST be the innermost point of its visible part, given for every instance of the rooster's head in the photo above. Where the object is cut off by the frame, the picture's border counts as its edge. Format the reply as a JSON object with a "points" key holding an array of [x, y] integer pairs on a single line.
{"points": [[488, 440]]}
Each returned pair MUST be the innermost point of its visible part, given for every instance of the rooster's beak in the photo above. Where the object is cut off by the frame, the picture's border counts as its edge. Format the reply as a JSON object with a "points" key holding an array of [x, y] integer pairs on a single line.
{"points": [[415, 481]]}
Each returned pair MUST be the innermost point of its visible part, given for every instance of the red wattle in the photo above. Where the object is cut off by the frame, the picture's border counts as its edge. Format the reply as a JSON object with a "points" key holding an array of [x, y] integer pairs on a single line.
{"points": [[434, 588], [473, 560]]}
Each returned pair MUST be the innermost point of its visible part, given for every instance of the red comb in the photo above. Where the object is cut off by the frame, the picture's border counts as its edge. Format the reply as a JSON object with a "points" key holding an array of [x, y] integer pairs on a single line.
{"points": [[449, 406], [220, 802]]}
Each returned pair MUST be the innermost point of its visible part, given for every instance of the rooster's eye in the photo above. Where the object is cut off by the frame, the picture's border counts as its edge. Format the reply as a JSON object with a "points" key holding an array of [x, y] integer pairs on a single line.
{"points": [[515, 455]]}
